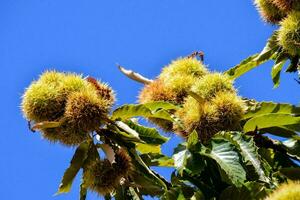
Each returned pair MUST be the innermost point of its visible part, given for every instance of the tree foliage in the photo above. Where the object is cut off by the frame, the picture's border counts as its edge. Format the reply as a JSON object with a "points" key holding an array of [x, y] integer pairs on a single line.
{"points": [[228, 149]]}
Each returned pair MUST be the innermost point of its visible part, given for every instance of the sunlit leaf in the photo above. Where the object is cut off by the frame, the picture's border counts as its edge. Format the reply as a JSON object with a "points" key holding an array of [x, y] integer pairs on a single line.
{"points": [[149, 135], [129, 111], [248, 150], [276, 69], [263, 108], [180, 160], [155, 159], [245, 66], [255, 60], [163, 114], [223, 152], [188, 159], [128, 129], [75, 165], [192, 140], [139, 110], [154, 106], [124, 132], [270, 120], [148, 148]]}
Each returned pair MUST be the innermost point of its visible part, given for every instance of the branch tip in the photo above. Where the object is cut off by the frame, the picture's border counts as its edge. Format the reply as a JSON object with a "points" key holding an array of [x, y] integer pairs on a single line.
{"points": [[197, 53]]}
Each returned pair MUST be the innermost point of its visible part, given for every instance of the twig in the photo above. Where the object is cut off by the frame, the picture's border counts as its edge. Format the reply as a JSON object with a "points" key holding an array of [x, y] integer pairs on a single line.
{"points": [[197, 53], [30, 127], [134, 76]]}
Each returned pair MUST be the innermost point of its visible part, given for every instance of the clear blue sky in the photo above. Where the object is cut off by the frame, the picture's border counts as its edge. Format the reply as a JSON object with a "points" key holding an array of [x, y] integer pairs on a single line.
{"points": [[90, 37]]}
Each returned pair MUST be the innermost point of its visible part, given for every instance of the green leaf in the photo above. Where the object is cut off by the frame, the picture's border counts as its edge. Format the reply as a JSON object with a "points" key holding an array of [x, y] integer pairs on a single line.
{"points": [[195, 164], [163, 114], [264, 108], [270, 120], [133, 194], [133, 110], [223, 152], [271, 49], [148, 148], [146, 172], [275, 159], [276, 72], [75, 165], [245, 66], [248, 150], [127, 129], [250, 191], [175, 193], [185, 160], [255, 60], [282, 131], [192, 140], [146, 184], [180, 160], [127, 193], [155, 159], [270, 107], [154, 106], [293, 67], [127, 135], [149, 135], [293, 147], [206, 187], [182, 192], [198, 196]]}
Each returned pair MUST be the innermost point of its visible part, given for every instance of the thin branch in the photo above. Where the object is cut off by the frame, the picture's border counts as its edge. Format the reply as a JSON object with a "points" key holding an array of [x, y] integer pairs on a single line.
{"points": [[197, 53], [134, 76], [30, 127]]}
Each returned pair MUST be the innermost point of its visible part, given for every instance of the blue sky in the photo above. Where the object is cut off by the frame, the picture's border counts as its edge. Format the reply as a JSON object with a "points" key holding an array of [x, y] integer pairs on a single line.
{"points": [[90, 37]]}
